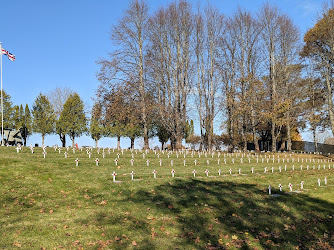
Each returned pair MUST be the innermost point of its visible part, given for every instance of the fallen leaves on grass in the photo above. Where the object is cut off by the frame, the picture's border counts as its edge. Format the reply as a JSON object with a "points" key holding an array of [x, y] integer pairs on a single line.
{"points": [[197, 240], [87, 197], [16, 244], [102, 203]]}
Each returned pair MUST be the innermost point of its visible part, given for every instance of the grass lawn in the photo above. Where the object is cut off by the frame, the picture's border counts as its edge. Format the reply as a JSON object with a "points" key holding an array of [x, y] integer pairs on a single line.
{"points": [[52, 203]]}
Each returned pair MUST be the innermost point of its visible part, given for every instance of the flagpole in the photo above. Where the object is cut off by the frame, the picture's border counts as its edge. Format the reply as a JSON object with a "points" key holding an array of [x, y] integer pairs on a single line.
{"points": [[2, 135]]}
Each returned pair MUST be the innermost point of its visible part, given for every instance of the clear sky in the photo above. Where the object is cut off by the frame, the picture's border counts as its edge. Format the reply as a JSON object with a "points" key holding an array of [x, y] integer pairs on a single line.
{"points": [[56, 44]]}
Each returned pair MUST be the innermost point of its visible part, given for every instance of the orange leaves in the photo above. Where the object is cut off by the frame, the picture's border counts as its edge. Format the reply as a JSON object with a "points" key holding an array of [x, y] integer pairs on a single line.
{"points": [[197, 240], [16, 244], [87, 197], [102, 203]]}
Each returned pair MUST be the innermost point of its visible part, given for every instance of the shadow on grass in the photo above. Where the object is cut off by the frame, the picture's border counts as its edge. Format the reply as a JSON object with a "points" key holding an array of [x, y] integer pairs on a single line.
{"points": [[209, 213]]}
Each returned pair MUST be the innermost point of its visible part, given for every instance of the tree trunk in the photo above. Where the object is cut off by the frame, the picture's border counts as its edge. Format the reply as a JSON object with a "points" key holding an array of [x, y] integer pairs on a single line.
{"points": [[142, 86], [43, 135], [282, 147], [273, 137], [133, 143], [256, 142], [209, 138], [96, 143], [162, 145], [288, 128], [62, 140], [329, 101], [179, 142], [73, 141], [118, 142], [315, 139]]}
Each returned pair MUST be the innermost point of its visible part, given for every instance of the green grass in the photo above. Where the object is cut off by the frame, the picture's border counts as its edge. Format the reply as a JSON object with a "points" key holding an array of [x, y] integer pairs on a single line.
{"points": [[50, 203]]}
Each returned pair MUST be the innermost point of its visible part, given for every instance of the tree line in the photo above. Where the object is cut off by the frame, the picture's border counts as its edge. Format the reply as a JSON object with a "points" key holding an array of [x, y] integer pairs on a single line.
{"points": [[251, 68], [249, 72], [61, 112]]}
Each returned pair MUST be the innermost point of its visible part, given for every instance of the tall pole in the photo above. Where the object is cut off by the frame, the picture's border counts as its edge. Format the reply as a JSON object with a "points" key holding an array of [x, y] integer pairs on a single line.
{"points": [[2, 135]]}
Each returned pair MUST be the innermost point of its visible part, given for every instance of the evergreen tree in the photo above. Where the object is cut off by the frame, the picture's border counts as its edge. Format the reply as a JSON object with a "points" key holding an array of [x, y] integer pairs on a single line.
{"points": [[73, 119], [163, 134], [44, 118], [7, 111], [96, 127], [16, 117], [26, 126]]}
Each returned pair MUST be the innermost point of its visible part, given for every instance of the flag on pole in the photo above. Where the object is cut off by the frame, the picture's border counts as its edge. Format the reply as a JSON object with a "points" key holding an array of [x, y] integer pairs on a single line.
{"points": [[9, 55]]}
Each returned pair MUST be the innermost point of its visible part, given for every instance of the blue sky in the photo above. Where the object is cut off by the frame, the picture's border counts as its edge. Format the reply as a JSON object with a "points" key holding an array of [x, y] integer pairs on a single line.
{"points": [[56, 44]]}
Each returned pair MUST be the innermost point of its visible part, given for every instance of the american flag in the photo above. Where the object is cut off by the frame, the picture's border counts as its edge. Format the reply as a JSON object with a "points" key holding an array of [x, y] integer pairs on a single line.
{"points": [[9, 55]]}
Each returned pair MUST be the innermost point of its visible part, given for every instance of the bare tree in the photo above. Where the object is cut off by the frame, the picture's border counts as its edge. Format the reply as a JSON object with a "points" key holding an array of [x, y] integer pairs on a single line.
{"points": [[245, 30], [208, 33], [170, 60], [280, 38], [127, 62], [57, 98]]}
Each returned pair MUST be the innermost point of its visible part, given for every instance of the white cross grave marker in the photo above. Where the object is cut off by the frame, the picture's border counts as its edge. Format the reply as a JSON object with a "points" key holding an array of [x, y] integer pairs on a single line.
{"points": [[173, 172]]}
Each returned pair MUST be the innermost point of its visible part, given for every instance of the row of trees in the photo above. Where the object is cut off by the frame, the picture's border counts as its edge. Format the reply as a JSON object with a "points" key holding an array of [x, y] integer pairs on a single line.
{"points": [[250, 67], [62, 112], [16, 117]]}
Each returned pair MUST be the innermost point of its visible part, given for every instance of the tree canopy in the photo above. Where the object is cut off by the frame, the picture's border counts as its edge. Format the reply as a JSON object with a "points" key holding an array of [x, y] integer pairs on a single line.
{"points": [[73, 121]]}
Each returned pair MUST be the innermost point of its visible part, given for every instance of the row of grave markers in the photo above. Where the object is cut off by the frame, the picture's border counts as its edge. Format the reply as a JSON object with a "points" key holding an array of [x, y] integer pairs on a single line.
{"points": [[269, 158], [181, 151], [207, 172], [184, 163], [290, 186]]}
